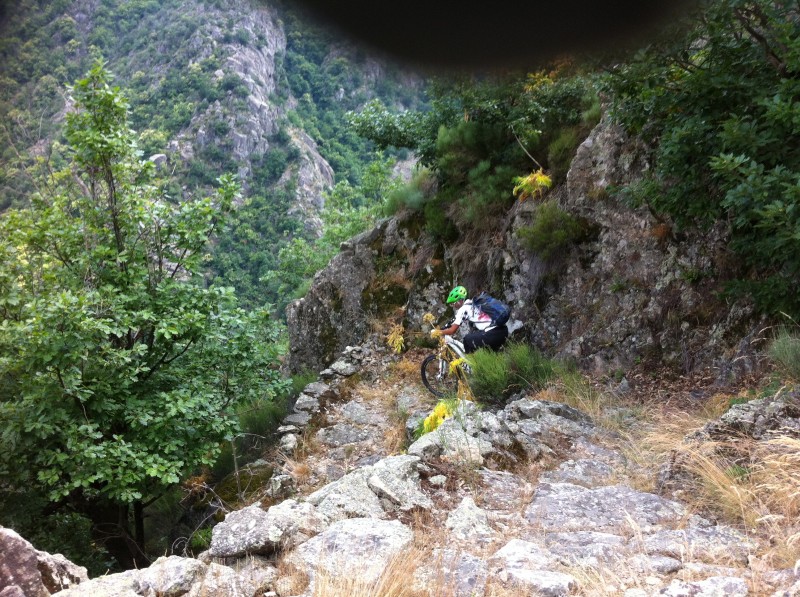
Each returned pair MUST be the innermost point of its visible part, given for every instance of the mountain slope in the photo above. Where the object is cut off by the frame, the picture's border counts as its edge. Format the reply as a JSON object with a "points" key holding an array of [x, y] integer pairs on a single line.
{"points": [[246, 87]]}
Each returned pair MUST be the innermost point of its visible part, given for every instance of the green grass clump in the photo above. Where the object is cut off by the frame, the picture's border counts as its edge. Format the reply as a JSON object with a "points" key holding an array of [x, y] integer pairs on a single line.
{"points": [[785, 352], [498, 375], [261, 417], [552, 231]]}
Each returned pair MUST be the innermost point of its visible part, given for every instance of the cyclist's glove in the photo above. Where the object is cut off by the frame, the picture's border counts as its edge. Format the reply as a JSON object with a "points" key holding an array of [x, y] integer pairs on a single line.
{"points": [[436, 333]]}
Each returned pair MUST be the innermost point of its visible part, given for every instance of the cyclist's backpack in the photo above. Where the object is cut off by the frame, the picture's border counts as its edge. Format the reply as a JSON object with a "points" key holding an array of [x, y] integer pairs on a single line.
{"points": [[496, 309]]}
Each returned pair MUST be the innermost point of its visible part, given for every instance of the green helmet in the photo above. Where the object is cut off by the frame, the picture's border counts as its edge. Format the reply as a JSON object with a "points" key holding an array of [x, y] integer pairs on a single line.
{"points": [[459, 293]]}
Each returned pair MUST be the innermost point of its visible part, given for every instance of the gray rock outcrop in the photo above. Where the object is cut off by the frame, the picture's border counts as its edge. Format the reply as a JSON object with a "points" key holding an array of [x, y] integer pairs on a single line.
{"points": [[361, 547], [333, 314], [757, 419], [32, 572], [497, 532], [252, 530]]}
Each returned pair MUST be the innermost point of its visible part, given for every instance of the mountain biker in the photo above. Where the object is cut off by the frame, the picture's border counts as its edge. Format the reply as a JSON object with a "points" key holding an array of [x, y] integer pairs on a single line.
{"points": [[482, 333]]}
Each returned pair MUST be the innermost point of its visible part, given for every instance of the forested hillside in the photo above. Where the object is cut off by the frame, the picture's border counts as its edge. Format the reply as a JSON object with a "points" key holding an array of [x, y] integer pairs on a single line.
{"points": [[174, 173], [237, 87]]}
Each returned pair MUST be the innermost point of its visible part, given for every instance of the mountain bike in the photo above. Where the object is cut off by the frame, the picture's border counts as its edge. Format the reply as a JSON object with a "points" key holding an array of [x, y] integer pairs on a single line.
{"points": [[441, 372]]}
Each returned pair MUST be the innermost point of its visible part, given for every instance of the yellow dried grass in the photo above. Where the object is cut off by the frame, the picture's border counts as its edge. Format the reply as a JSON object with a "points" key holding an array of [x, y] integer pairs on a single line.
{"points": [[394, 581]]}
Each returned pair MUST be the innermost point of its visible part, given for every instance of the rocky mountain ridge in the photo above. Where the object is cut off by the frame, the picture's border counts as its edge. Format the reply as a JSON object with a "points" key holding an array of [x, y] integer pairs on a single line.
{"points": [[214, 88], [633, 293]]}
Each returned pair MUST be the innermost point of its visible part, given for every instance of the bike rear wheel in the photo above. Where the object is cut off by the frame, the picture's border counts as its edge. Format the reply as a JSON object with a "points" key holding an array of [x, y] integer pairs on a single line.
{"points": [[436, 376]]}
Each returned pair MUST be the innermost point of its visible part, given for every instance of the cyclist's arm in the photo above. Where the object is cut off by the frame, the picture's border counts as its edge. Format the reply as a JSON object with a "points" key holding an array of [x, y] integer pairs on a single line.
{"points": [[449, 331], [453, 326]]}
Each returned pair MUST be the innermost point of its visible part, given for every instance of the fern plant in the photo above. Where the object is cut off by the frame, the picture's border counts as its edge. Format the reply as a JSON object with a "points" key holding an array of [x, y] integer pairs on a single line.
{"points": [[533, 185]]}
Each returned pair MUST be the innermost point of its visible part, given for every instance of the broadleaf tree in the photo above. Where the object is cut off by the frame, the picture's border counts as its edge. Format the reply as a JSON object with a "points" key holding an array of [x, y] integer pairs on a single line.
{"points": [[120, 369], [718, 101]]}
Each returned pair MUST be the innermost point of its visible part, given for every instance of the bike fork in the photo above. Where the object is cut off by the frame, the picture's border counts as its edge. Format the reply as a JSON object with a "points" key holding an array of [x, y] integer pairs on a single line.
{"points": [[443, 366]]}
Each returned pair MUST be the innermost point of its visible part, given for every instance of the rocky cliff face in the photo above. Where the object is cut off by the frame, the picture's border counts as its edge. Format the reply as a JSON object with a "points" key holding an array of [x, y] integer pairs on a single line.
{"points": [[251, 38], [632, 293], [353, 289], [312, 177], [637, 292]]}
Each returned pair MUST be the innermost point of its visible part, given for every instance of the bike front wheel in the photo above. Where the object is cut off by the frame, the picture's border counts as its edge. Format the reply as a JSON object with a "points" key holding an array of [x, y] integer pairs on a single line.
{"points": [[436, 376]]}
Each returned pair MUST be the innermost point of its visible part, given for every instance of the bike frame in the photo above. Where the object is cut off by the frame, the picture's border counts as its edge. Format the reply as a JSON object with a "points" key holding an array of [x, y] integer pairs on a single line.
{"points": [[450, 343], [449, 351], [457, 346]]}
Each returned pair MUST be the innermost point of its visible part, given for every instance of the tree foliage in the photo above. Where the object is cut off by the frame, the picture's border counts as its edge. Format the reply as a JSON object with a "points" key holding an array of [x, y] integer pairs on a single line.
{"points": [[719, 100], [348, 211], [119, 369], [479, 135]]}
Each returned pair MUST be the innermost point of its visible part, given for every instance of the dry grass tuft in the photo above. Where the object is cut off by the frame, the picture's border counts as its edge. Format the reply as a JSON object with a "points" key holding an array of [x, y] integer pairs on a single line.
{"points": [[292, 579], [405, 370], [575, 391], [752, 485], [721, 485], [603, 581], [395, 439], [394, 581], [429, 533], [298, 465], [299, 470], [777, 475]]}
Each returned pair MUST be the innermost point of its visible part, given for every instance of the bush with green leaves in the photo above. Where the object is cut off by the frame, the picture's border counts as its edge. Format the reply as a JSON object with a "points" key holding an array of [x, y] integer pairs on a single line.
{"points": [[517, 368], [717, 99], [121, 371], [412, 195], [480, 135]]}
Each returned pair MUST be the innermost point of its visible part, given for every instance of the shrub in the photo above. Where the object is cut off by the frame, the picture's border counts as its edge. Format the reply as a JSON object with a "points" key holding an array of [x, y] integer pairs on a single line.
{"points": [[785, 351], [200, 540], [562, 149], [490, 376], [273, 166], [719, 135], [533, 185], [442, 410], [437, 221], [498, 375], [411, 195], [301, 380], [552, 230], [261, 417]]}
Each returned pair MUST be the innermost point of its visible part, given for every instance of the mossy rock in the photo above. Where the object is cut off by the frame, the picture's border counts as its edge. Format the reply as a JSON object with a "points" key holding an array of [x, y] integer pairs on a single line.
{"points": [[384, 298], [252, 481]]}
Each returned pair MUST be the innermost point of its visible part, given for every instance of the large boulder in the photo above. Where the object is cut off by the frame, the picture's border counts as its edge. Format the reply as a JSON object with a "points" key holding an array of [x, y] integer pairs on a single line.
{"points": [[356, 285], [34, 572], [566, 507], [632, 290], [169, 577], [529, 569], [470, 524], [252, 530], [757, 419], [331, 315], [359, 547], [391, 484]]}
